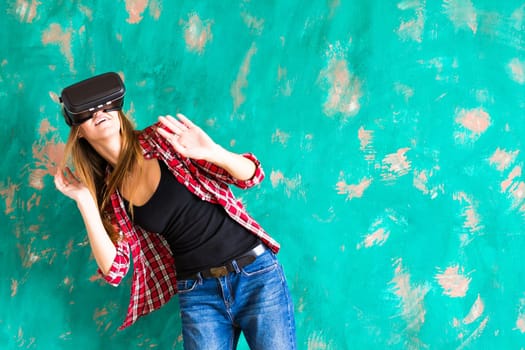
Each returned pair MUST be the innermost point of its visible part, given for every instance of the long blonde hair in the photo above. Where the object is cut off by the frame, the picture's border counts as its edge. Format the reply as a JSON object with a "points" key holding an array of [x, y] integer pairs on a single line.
{"points": [[91, 168]]}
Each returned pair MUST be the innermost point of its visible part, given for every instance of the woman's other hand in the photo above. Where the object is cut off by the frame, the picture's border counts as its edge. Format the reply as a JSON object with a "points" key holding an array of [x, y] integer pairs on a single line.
{"points": [[67, 183]]}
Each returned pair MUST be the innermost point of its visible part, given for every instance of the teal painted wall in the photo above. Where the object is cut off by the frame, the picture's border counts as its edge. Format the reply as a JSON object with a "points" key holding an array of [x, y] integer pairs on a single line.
{"points": [[391, 135]]}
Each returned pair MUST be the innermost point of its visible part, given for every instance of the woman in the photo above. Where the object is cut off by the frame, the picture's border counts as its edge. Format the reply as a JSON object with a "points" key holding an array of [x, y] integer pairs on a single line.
{"points": [[162, 196]]}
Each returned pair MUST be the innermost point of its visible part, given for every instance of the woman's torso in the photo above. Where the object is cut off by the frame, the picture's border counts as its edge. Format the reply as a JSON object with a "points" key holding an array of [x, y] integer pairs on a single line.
{"points": [[200, 234]]}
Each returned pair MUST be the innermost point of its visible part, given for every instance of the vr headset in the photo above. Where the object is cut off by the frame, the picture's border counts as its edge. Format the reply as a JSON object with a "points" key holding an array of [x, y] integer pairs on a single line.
{"points": [[102, 92]]}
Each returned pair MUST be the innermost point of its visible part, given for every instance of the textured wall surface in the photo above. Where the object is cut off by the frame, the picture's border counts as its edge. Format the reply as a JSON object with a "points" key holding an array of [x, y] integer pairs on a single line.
{"points": [[391, 133]]}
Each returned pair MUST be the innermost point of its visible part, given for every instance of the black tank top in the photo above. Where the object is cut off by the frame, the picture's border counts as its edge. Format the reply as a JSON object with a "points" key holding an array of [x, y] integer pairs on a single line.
{"points": [[200, 234]]}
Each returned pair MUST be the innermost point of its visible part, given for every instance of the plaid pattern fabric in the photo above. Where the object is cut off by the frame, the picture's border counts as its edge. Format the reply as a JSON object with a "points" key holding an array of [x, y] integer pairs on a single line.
{"points": [[154, 277]]}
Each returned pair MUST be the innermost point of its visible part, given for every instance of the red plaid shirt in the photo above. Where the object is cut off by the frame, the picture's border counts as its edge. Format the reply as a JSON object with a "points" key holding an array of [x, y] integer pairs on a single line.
{"points": [[154, 276]]}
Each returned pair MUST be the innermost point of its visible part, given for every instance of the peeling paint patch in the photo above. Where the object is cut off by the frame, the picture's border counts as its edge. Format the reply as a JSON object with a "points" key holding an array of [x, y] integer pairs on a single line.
{"points": [[241, 81], [155, 9], [14, 287], [23, 341], [516, 70], [197, 33], [317, 341], [476, 310], [381, 229], [413, 28], [353, 190], [135, 8], [27, 10], [404, 90], [256, 25], [506, 184], [344, 88], [454, 283], [472, 123], [280, 137], [475, 334], [88, 12], [412, 297], [8, 192], [476, 120], [421, 182], [462, 14], [515, 188], [55, 35], [472, 223], [395, 164], [376, 238], [48, 153], [502, 159], [291, 185], [518, 18], [285, 84], [365, 138], [520, 321]]}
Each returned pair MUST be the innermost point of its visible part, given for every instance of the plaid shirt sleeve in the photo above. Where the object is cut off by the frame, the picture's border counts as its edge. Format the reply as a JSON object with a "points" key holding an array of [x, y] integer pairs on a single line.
{"points": [[120, 265], [222, 175]]}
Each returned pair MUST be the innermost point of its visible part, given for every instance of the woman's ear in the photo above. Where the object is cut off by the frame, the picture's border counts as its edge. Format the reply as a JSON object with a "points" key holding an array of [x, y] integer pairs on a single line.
{"points": [[79, 133]]}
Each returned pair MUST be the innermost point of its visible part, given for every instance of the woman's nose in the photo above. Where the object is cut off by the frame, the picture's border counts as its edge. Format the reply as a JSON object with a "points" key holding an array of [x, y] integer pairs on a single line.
{"points": [[97, 113]]}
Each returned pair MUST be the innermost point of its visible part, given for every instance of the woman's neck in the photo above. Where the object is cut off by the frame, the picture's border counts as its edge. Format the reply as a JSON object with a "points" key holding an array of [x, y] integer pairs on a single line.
{"points": [[109, 150]]}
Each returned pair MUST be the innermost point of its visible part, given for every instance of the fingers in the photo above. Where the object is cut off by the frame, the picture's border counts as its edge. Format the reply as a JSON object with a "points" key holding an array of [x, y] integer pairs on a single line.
{"points": [[172, 138], [185, 120], [70, 175], [62, 181], [173, 124]]}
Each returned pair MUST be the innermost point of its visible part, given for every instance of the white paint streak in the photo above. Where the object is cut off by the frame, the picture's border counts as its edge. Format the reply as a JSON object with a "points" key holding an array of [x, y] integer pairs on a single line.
{"points": [[476, 310], [520, 321], [376, 238], [475, 334], [412, 301], [472, 222], [506, 184], [241, 81]]}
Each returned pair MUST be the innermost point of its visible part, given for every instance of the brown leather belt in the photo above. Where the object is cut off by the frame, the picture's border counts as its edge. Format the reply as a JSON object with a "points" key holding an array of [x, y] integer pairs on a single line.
{"points": [[220, 271]]}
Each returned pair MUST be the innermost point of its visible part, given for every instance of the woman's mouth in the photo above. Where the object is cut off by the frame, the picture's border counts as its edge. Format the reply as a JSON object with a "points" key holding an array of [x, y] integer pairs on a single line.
{"points": [[100, 120]]}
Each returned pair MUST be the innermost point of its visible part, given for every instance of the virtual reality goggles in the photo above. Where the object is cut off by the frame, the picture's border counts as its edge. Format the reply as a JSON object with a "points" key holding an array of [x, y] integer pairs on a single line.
{"points": [[102, 92]]}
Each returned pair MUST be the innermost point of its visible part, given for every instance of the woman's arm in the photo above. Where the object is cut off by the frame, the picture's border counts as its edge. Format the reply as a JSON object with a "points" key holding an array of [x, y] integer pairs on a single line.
{"points": [[102, 247], [192, 142], [241, 168]]}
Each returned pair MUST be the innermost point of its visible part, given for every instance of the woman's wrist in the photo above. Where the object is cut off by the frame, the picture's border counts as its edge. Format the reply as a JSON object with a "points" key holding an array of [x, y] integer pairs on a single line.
{"points": [[84, 198]]}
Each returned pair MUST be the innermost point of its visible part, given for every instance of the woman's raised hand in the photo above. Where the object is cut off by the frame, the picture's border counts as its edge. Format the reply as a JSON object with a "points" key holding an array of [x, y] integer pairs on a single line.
{"points": [[67, 183], [187, 138]]}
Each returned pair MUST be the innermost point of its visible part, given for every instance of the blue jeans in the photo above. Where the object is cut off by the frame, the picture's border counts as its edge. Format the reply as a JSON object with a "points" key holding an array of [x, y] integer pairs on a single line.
{"points": [[254, 299]]}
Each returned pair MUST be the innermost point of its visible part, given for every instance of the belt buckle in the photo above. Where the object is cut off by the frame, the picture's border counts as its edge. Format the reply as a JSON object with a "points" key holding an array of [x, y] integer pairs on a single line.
{"points": [[218, 271]]}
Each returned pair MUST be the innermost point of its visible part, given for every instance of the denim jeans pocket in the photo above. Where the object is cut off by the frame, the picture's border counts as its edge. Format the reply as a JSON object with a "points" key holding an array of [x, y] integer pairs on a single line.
{"points": [[186, 286], [264, 263]]}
